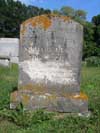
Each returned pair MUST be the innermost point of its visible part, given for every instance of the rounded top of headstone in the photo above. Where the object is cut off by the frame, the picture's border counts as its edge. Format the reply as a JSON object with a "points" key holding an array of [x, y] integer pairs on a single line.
{"points": [[45, 21], [48, 21]]}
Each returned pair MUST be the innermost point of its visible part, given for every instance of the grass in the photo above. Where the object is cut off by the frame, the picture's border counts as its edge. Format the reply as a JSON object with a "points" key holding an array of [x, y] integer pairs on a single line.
{"points": [[90, 84], [8, 82]]}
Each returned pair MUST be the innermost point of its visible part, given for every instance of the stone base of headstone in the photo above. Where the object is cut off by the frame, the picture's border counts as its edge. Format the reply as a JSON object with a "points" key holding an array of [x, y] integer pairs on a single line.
{"points": [[51, 102]]}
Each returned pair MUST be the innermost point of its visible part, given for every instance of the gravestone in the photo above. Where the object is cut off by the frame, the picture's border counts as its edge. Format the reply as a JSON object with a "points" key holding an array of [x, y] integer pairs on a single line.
{"points": [[9, 48], [50, 62]]}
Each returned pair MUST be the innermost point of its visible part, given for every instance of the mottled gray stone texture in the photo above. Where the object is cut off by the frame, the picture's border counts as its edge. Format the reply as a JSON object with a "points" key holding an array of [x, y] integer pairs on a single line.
{"points": [[49, 64]]}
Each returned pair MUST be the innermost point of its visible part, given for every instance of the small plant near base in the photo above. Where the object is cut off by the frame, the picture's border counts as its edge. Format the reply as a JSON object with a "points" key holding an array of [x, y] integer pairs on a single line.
{"points": [[40, 116], [25, 118]]}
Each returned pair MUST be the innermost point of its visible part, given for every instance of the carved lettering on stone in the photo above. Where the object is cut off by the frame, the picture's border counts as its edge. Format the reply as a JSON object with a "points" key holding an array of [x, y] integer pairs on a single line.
{"points": [[50, 61]]}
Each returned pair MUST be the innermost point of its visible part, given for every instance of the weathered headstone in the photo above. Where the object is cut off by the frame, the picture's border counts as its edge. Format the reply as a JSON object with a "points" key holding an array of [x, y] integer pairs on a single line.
{"points": [[50, 61], [9, 51]]}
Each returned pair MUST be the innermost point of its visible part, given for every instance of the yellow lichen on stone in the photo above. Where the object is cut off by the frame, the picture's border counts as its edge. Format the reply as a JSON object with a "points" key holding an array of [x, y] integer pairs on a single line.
{"points": [[80, 96], [43, 21], [25, 99], [35, 89]]}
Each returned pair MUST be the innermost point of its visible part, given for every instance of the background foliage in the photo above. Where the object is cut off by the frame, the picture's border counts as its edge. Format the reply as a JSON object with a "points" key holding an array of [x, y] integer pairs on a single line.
{"points": [[13, 13]]}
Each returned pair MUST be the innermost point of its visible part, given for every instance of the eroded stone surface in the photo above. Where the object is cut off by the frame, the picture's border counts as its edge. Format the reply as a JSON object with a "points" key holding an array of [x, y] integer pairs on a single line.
{"points": [[51, 102], [50, 61]]}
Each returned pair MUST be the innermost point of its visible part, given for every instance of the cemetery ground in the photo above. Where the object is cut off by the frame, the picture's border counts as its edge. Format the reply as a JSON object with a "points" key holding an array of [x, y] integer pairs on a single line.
{"points": [[21, 121]]}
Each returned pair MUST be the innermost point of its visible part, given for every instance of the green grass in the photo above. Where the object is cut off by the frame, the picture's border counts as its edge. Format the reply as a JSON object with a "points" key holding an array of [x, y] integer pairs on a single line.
{"points": [[8, 82], [90, 84]]}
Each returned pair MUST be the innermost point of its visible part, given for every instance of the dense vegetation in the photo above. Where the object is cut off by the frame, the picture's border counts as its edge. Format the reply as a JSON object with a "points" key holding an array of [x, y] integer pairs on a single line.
{"points": [[21, 121], [13, 13]]}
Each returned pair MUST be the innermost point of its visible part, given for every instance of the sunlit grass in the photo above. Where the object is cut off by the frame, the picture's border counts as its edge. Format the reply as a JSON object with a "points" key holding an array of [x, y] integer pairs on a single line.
{"points": [[90, 84]]}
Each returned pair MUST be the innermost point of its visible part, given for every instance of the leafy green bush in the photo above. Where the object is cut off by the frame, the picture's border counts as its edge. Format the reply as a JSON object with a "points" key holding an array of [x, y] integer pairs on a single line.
{"points": [[93, 61]]}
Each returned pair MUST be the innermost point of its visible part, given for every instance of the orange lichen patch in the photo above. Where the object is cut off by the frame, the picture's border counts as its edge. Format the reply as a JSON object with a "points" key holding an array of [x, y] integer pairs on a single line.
{"points": [[80, 96], [44, 21], [35, 89], [14, 96], [25, 99]]}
